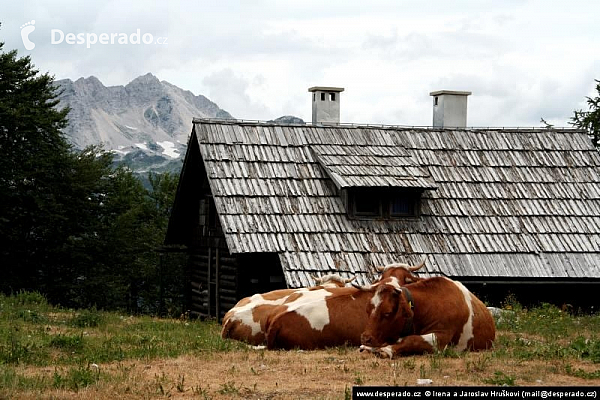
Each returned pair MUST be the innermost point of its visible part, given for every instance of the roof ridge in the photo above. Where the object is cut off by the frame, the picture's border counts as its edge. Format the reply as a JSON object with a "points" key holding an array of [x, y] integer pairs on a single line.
{"points": [[351, 125]]}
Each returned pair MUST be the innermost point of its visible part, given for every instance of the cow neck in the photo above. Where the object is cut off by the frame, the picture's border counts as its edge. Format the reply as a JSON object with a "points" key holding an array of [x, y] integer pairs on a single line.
{"points": [[408, 327]]}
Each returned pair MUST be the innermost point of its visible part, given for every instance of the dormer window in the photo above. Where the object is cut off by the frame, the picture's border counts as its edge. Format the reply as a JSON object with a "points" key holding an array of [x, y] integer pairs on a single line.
{"points": [[375, 181], [383, 203], [365, 205], [404, 205]]}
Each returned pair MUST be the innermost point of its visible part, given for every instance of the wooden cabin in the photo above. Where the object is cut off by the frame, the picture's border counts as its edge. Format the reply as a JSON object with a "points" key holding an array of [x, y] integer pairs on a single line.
{"points": [[263, 205]]}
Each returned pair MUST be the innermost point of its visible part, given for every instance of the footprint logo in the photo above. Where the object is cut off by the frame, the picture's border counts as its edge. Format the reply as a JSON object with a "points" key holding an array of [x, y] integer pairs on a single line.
{"points": [[25, 31]]}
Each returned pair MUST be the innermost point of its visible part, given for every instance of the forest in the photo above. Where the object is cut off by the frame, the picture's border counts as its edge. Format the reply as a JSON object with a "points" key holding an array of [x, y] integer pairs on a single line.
{"points": [[75, 227]]}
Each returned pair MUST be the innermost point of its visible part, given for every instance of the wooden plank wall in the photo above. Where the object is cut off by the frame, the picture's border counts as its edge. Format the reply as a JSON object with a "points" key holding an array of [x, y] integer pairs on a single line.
{"points": [[213, 282], [213, 273]]}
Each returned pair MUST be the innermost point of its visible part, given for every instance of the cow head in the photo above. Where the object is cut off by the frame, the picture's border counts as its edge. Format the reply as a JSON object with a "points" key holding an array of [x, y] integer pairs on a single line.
{"points": [[389, 313], [404, 272]]}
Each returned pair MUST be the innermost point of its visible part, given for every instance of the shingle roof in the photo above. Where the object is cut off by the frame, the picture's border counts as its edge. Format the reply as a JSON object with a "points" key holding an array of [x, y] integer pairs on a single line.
{"points": [[508, 203], [371, 166]]}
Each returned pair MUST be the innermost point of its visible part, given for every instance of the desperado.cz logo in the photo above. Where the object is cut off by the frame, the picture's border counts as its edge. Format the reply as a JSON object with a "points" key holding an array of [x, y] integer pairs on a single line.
{"points": [[57, 37], [26, 29]]}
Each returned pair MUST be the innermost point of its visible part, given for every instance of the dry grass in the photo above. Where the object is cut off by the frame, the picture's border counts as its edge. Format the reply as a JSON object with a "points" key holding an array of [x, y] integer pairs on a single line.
{"points": [[49, 353], [326, 374]]}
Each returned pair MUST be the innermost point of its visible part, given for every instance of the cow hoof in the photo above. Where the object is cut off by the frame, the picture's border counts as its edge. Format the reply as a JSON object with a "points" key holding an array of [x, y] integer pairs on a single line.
{"points": [[384, 352], [364, 348]]}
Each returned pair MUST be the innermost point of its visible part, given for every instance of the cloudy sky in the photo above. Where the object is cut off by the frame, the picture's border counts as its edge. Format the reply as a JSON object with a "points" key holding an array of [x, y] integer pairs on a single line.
{"points": [[523, 60]]}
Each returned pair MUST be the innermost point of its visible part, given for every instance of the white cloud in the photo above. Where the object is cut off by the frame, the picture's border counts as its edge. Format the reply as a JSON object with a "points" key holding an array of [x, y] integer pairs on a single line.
{"points": [[522, 60], [225, 87]]}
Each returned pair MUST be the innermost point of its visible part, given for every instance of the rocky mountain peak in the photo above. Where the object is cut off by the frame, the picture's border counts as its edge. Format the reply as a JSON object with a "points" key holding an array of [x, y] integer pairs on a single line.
{"points": [[145, 123], [90, 80], [288, 120], [144, 112], [144, 80]]}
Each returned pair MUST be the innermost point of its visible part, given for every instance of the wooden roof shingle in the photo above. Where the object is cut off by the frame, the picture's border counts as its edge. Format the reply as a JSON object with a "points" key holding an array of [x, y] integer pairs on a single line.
{"points": [[497, 203]]}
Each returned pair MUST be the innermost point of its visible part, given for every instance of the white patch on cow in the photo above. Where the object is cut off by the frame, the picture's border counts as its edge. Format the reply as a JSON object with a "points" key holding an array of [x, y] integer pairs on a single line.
{"points": [[244, 313], [395, 283], [312, 306], [431, 339], [376, 300], [467, 332], [382, 351]]}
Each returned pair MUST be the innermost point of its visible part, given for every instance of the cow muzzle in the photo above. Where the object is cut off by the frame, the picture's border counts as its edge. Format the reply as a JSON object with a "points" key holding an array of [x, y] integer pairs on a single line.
{"points": [[366, 339]]}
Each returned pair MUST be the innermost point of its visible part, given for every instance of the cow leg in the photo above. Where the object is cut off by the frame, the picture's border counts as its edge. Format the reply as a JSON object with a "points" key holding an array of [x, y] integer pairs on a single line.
{"points": [[414, 344]]}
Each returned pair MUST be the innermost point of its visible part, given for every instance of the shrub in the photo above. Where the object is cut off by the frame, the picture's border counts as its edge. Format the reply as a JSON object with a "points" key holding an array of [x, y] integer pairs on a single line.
{"points": [[24, 298], [67, 342], [91, 318]]}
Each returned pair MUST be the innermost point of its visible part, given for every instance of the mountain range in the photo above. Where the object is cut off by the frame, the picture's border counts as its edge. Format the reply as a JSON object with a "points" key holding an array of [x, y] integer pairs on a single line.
{"points": [[145, 123]]}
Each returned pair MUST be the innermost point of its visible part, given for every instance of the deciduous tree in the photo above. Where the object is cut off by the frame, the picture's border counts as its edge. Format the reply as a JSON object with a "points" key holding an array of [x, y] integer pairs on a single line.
{"points": [[590, 120]]}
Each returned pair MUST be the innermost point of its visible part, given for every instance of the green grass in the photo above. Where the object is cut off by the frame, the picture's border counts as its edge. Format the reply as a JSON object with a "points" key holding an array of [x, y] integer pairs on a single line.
{"points": [[547, 333], [581, 373], [34, 333], [74, 342], [500, 379]]}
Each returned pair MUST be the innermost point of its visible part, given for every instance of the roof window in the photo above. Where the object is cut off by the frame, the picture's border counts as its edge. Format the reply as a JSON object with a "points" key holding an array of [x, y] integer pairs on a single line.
{"points": [[377, 203]]}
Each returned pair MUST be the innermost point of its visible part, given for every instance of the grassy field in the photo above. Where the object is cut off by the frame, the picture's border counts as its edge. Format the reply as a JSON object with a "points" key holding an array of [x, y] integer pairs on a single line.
{"points": [[48, 352]]}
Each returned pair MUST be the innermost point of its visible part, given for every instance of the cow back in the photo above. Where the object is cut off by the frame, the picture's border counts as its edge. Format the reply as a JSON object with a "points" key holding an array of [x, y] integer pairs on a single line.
{"points": [[338, 317]]}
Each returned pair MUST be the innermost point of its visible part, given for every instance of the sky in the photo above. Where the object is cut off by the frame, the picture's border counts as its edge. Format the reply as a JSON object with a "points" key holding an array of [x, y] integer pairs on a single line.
{"points": [[522, 60]]}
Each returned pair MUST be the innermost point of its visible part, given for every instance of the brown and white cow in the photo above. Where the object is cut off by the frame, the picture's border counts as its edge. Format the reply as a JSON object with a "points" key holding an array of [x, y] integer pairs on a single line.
{"points": [[246, 320], [420, 317], [318, 319], [329, 317]]}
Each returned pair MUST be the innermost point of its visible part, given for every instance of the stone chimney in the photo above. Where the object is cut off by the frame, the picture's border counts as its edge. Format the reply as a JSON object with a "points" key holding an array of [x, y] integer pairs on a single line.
{"points": [[325, 104], [449, 109]]}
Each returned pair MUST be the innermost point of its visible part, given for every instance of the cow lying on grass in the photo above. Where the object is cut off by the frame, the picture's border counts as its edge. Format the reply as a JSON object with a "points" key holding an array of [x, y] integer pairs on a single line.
{"points": [[307, 318], [328, 317], [246, 320], [421, 317]]}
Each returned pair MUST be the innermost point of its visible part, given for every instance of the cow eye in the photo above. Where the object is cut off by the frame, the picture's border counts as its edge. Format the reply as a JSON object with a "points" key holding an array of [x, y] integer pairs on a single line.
{"points": [[386, 315]]}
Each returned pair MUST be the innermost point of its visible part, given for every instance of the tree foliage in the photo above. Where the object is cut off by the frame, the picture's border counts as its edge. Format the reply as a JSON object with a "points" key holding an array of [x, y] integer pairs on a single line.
{"points": [[590, 120], [34, 168], [72, 226]]}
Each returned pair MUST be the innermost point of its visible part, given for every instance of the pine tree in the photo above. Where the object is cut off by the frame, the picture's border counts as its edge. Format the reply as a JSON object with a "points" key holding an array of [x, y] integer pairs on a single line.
{"points": [[35, 158], [71, 225], [52, 196]]}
